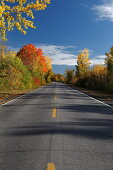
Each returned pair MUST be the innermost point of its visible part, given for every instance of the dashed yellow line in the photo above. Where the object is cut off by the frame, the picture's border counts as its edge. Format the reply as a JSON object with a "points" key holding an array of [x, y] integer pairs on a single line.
{"points": [[51, 166], [54, 113]]}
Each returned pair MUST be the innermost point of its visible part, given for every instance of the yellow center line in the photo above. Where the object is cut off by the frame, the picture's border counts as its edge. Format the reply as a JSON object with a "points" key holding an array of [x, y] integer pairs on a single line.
{"points": [[54, 113], [51, 166]]}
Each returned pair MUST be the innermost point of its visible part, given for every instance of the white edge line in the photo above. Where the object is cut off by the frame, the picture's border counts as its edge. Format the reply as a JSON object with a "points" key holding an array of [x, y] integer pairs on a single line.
{"points": [[92, 98], [20, 96]]}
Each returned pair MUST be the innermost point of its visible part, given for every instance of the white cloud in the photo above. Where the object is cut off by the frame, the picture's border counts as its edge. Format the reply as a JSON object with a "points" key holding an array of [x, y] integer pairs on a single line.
{"points": [[105, 10], [64, 55], [98, 60], [101, 57], [60, 55], [94, 62]]}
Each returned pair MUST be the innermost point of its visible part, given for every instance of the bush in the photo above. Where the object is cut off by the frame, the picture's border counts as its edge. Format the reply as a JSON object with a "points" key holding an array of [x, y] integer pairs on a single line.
{"points": [[14, 75]]}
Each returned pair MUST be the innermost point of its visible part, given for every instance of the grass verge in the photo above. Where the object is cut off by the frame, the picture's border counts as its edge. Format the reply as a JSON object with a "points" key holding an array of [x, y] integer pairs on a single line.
{"points": [[7, 95]]}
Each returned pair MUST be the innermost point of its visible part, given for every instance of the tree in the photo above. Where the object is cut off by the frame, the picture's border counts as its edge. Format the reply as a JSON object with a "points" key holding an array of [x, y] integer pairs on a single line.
{"points": [[69, 75], [109, 63], [58, 77], [13, 74], [98, 77], [48, 76], [3, 49], [82, 63], [13, 13], [36, 62], [28, 55]]}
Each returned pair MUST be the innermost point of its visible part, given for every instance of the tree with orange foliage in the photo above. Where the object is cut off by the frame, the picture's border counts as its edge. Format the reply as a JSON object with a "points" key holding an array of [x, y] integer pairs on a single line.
{"points": [[35, 61], [28, 55]]}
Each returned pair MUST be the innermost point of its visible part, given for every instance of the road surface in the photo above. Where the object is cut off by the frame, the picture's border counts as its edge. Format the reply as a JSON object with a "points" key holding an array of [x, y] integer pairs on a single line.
{"points": [[56, 128]]}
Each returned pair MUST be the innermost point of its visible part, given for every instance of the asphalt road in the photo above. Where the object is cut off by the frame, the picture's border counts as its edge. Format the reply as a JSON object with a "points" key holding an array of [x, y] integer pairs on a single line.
{"points": [[56, 128]]}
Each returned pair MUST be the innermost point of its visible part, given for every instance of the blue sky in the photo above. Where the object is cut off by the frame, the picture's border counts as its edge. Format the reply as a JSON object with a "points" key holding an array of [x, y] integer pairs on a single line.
{"points": [[68, 26]]}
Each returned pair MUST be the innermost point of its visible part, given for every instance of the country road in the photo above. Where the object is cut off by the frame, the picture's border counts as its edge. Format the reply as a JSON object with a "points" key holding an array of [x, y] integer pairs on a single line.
{"points": [[56, 128]]}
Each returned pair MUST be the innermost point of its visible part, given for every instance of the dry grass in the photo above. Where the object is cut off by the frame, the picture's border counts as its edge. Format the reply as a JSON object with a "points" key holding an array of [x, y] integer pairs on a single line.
{"points": [[8, 95]]}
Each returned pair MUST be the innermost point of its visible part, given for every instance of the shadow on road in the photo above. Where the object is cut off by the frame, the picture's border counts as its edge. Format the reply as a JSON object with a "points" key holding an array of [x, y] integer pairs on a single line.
{"points": [[101, 128], [86, 128]]}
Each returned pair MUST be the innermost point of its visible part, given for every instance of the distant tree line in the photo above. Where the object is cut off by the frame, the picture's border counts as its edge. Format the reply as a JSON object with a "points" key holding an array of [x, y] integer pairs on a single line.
{"points": [[96, 77]]}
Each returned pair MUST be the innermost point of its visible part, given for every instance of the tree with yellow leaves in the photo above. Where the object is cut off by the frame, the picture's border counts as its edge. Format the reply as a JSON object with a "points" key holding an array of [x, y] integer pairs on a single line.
{"points": [[98, 77], [13, 13], [82, 63]]}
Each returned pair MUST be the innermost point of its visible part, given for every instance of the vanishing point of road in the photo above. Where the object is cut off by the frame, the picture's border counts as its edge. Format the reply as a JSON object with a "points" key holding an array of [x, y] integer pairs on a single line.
{"points": [[56, 128]]}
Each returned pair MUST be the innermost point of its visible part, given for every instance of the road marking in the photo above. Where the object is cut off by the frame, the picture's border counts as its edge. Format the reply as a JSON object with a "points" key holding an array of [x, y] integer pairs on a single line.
{"points": [[91, 98], [51, 166], [95, 99], [54, 113]]}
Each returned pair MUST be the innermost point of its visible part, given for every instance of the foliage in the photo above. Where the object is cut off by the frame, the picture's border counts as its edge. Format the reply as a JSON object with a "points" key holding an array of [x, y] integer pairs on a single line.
{"points": [[13, 74], [69, 76], [38, 64], [109, 63], [82, 63], [28, 55], [99, 77], [13, 13], [58, 78], [3, 49], [48, 76]]}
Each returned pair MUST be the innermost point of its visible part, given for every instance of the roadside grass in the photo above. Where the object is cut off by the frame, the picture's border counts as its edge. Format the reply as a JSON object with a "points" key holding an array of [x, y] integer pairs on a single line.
{"points": [[7, 95]]}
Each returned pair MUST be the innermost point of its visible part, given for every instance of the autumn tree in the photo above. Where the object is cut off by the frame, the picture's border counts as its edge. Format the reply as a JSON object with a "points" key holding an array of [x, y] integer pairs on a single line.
{"points": [[99, 71], [49, 73], [61, 78], [28, 55], [48, 76], [82, 63], [48, 63], [97, 78], [3, 49], [54, 77], [35, 61], [13, 13], [58, 77], [13, 74], [69, 75], [109, 63]]}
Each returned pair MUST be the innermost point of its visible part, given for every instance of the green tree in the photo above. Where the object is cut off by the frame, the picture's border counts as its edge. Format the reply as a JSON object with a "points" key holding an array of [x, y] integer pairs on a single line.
{"points": [[13, 74]]}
